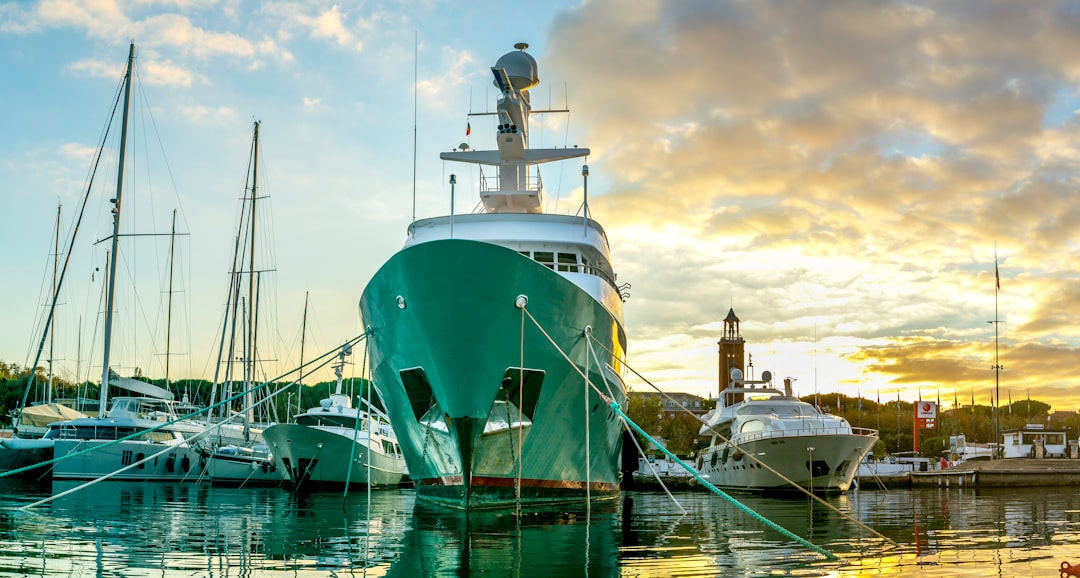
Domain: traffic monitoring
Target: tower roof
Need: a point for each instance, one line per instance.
(731, 316)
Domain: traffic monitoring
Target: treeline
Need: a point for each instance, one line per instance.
(894, 421)
(14, 381)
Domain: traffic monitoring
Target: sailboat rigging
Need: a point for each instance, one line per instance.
(116, 443)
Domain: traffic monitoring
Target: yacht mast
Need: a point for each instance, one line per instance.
(997, 364)
(168, 315)
(116, 201)
(249, 367)
(52, 318)
(303, 336)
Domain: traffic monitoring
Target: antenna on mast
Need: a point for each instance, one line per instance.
(416, 58)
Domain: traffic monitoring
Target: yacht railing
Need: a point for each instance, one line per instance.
(801, 432)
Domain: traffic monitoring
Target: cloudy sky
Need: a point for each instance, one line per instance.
(842, 174)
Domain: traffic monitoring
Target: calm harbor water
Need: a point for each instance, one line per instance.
(167, 530)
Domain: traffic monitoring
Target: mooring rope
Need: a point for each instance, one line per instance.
(588, 439)
(752, 457)
(588, 382)
(615, 407)
(214, 427)
(519, 462)
(640, 451)
(618, 411)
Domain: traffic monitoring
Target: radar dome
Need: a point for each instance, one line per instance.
(766, 375)
(520, 67)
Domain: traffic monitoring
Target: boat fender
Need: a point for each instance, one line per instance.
(139, 459)
(185, 464)
(701, 462)
(737, 455)
(170, 464)
(724, 456)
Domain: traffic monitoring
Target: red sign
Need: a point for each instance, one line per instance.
(925, 414)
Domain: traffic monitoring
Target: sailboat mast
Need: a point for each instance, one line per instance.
(52, 318)
(116, 201)
(303, 336)
(252, 296)
(168, 314)
(251, 263)
(997, 361)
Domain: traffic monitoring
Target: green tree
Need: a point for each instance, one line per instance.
(645, 411)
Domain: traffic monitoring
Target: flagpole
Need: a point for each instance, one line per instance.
(997, 362)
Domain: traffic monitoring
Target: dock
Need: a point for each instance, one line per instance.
(672, 482)
(1007, 473)
(882, 482)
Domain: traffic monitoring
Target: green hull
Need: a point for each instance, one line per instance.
(487, 410)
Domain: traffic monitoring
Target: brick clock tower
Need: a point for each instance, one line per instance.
(731, 350)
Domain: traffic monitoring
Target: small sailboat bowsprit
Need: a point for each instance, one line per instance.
(482, 328)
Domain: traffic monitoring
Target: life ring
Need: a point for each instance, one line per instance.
(737, 455)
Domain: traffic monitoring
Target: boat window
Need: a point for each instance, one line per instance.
(751, 426)
(526, 253)
(757, 410)
(568, 262)
(157, 436)
(545, 258)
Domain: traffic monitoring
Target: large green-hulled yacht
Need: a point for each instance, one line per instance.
(483, 327)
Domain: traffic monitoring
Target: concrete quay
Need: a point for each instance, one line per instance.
(1007, 473)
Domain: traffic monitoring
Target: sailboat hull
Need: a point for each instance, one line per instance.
(235, 469)
(487, 406)
(17, 456)
(181, 463)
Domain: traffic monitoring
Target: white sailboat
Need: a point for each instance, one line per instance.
(236, 452)
(337, 444)
(140, 437)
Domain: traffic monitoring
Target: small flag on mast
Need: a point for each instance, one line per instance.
(468, 128)
(997, 278)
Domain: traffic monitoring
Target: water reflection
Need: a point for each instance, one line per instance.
(568, 541)
(125, 528)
